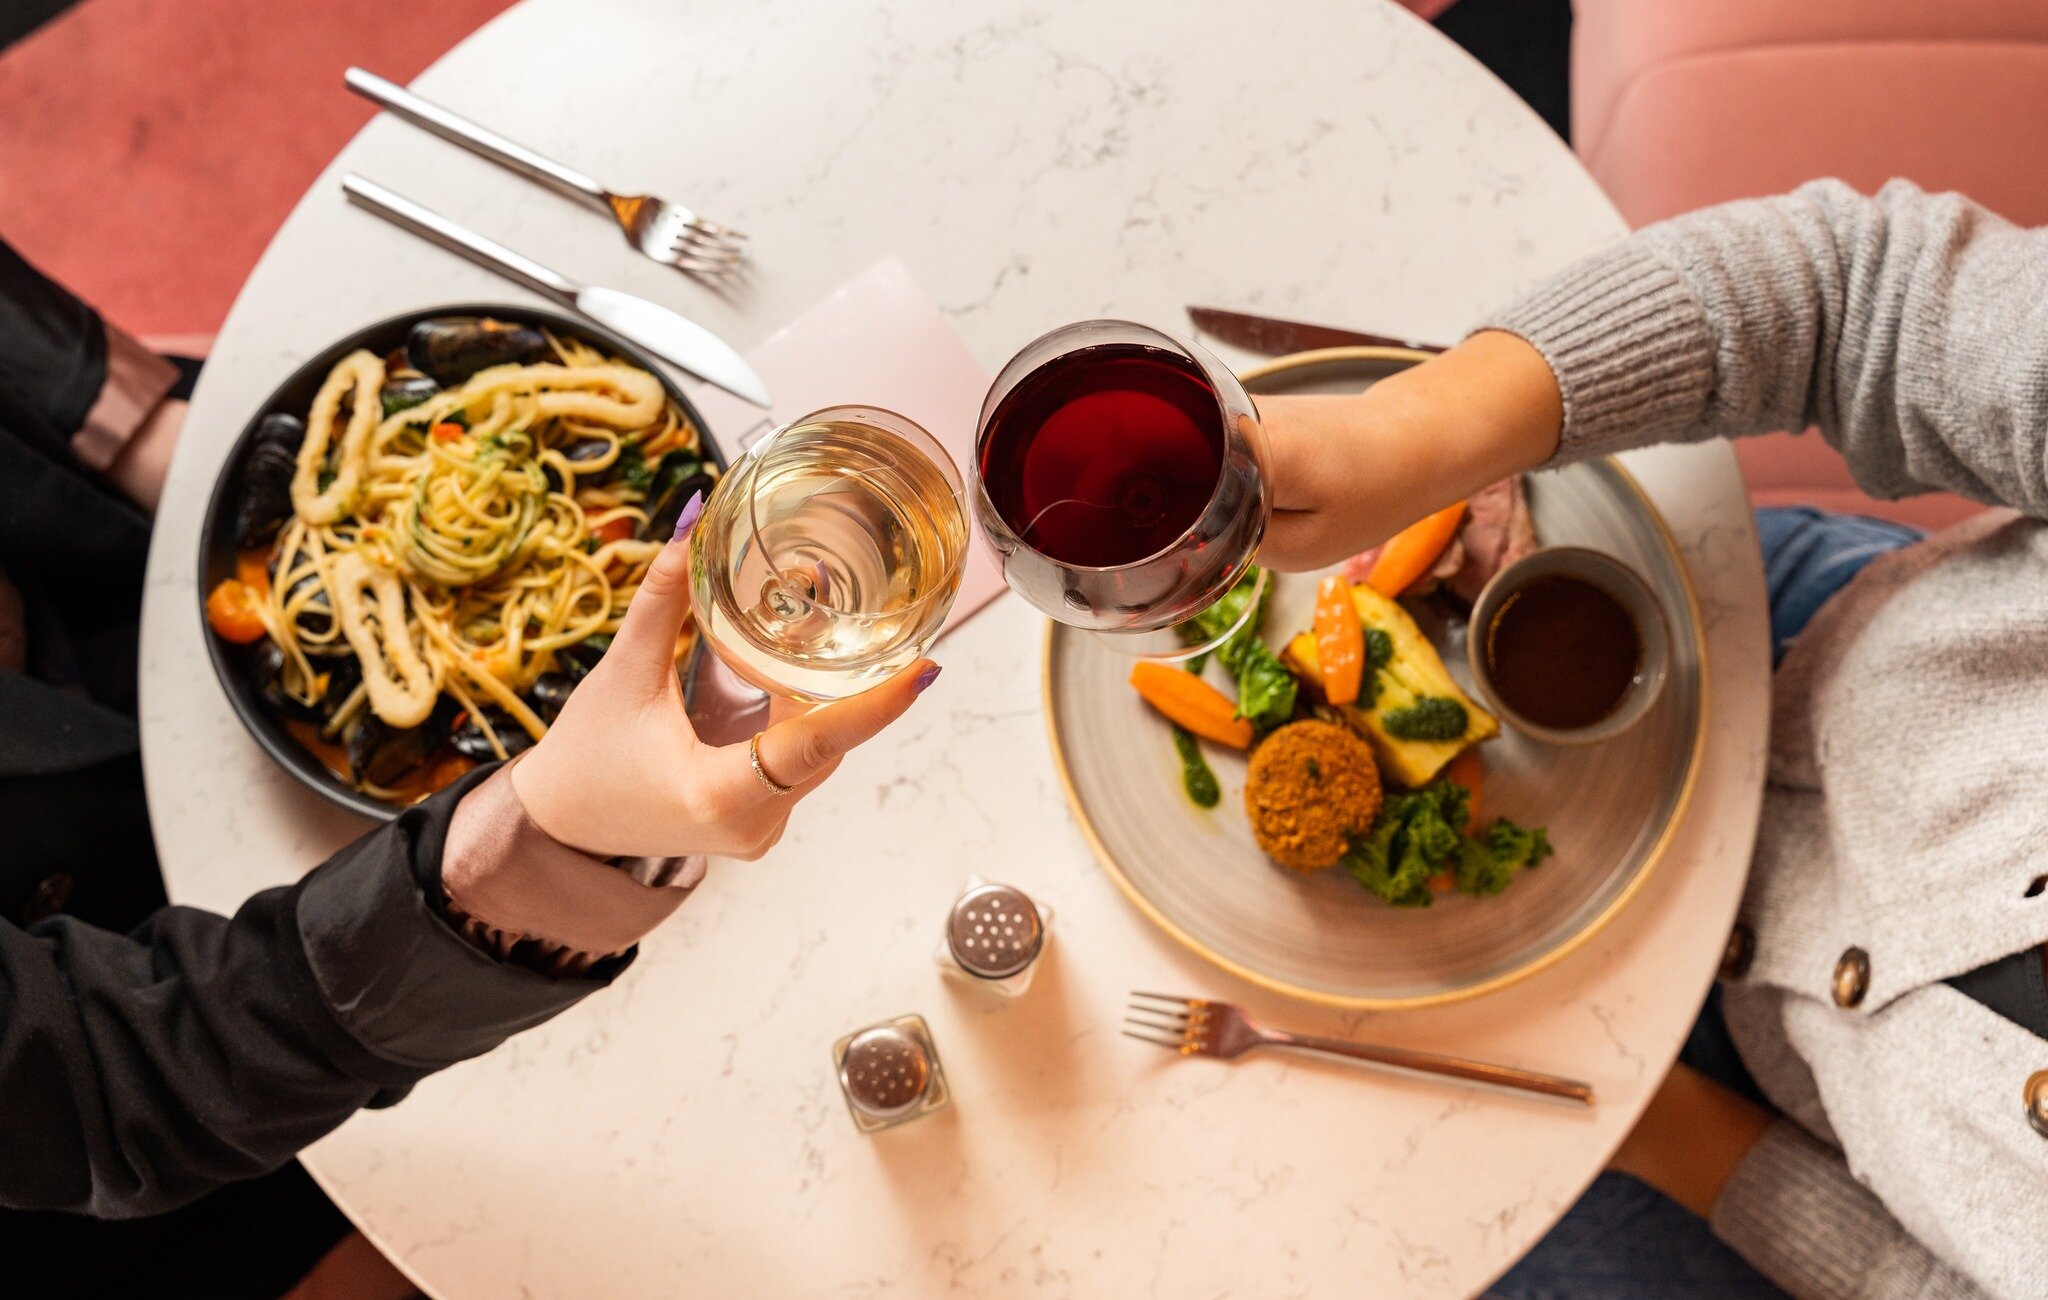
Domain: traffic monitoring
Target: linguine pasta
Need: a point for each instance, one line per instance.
(455, 547)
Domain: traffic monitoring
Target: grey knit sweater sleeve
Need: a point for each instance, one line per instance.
(1911, 328)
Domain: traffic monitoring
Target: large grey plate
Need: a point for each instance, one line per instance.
(1610, 807)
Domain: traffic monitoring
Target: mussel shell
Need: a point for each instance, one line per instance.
(406, 390)
(263, 488)
(470, 742)
(266, 668)
(579, 659)
(549, 692)
(449, 349)
(586, 449)
(380, 754)
(343, 675)
(314, 618)
(674, 485)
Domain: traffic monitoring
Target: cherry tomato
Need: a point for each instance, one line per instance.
(231, 612)
(613, 530)
(252, 569)
(447, 431)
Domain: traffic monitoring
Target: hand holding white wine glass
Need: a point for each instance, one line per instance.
(622, 773)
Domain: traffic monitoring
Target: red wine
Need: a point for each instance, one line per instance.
(1106, 455)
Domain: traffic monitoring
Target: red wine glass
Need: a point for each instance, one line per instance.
(1120, 479)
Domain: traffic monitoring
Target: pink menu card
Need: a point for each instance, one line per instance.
(877, 340)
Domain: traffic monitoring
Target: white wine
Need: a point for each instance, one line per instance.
(828, 558)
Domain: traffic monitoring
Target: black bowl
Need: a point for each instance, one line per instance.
(231, 663)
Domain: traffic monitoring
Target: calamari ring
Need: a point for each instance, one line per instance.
(364, 374)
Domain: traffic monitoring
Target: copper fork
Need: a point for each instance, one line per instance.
(1199, 1027)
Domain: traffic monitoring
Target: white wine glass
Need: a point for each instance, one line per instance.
(828, 558)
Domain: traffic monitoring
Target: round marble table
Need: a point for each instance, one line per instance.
(1031, 163)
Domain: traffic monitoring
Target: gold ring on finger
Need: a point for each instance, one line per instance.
(775, 787)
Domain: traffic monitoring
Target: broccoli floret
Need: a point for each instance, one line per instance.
(1415, 836)
(1490, 863)
(1431, 717)
(1421, 834)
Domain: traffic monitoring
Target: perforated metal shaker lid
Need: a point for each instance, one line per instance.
(886, 1071)
(995, 931)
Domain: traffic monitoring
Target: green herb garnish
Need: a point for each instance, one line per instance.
(1431, 717)
(1379, 652)
(401, 399)
(634, 471)
(1195, 775)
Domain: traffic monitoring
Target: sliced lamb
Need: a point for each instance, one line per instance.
(1498, 531)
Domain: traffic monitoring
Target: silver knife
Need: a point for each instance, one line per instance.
(1276, 338)
(661, 331)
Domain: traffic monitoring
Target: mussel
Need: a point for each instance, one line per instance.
(549, 692)
(586, 449)
(449, 349)
(263, 488)
(266, 668)
(470, 742)
(380, 754)
(405, 389)
(680, 476)
(342, 672)
(315, 617)
(577, 660)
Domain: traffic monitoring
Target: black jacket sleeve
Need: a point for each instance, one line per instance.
(53, 356)
(138, 1071)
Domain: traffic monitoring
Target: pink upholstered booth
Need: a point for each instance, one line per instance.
(1677, 104)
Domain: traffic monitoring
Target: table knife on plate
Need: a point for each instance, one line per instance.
(1276, 338)
(665, 333)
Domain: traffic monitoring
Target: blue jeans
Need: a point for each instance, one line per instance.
(1625, 1240)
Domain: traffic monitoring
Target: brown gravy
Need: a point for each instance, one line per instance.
(1562, 652)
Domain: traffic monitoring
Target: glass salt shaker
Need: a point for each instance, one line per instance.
(993, 937)
(890, 1073)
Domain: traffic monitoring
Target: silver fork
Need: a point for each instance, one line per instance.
(666, 232)
(1199, 1027)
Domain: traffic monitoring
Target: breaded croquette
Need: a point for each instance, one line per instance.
(1310, 788)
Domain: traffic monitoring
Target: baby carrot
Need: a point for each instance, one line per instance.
(1192, 702)
(1467, 770)
(1340, 641)
(1413, 549)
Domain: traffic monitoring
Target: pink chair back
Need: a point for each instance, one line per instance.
(1678, 104)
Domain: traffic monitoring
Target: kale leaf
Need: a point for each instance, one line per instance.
(1265, 689)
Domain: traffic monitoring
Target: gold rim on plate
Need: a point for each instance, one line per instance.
(1405, 357)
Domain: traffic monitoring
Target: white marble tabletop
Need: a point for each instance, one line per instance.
(1031, 163)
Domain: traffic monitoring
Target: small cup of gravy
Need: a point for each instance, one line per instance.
(1569, 646)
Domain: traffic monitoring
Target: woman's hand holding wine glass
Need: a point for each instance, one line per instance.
(1348, 472)
(623, 773)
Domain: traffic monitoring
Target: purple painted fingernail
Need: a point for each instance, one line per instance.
(691, 509)
(927, 677)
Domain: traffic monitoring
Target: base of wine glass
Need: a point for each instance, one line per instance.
(1168, 645)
